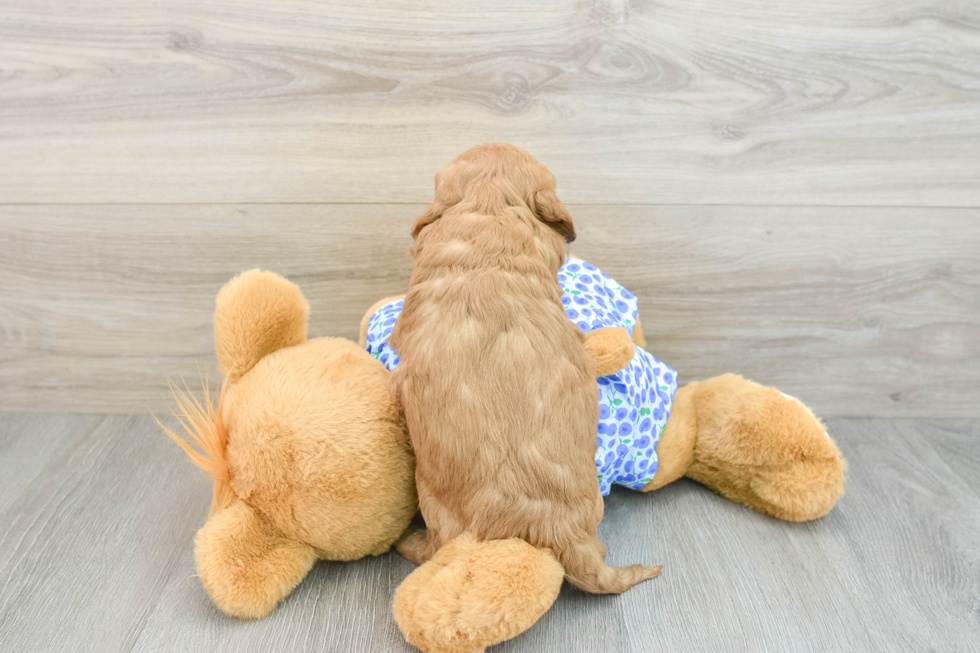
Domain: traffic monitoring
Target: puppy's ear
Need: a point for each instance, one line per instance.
(552, 212)
(447, 196)
(433, 213)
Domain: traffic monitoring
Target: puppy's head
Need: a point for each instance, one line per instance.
(493, 176)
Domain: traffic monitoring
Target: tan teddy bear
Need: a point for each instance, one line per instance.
(309, 453)
(311, 460)
(307, 447)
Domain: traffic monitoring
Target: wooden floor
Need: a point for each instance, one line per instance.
(98, 513)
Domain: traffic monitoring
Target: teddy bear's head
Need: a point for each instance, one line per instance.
(308, 448)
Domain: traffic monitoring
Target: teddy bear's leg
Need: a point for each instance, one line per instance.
(753, 445)
(246, 566)
(675, 449)
(473, 594)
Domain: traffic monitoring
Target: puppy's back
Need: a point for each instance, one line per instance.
(499, 391)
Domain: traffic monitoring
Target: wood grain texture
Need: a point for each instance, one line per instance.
(858, 311)
(834, 102)
(96, 555)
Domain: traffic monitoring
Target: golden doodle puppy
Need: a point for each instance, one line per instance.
(497, 385)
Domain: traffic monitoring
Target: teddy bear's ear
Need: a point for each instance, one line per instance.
(255, 314)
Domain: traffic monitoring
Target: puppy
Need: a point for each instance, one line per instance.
(499, 392)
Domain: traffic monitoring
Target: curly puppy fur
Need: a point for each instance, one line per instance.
(497, 385)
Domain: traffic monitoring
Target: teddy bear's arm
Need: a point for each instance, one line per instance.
(610, 348)
(246, 566)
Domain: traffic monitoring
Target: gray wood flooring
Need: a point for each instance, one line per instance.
(97, 516)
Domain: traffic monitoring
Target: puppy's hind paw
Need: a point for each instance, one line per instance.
(413, 546)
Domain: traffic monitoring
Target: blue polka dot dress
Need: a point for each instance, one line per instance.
(634, 403)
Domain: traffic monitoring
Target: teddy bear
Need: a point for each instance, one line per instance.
(306, 443)
(310, 456)
(749, 443)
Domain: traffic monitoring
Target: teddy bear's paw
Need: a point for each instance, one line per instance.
(610, 349)
(803, 490)
(473, 594)
(245, 566)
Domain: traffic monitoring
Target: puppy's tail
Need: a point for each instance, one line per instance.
(586, 569)
(473, 594)
(201, 421)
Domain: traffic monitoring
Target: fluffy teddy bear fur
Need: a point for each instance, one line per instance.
(311, 458)
(308, 439)
(472, 594)
(752, 445)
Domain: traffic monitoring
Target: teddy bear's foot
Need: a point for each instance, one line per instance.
(245, 565)
(753, 445)
(804, 490)
(473, 594)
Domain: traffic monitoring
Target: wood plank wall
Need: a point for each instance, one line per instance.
(792, 189)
